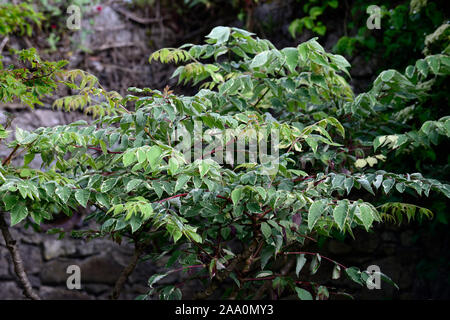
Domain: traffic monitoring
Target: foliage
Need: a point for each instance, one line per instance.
(17, 18)
(403, 29)
(313, 10)
(30, 78)
(234, 220)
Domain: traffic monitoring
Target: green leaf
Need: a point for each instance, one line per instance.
(132, 185)
(260, 59)
(107, 185)
(204, 168)
(314, 213)
(220, 34)
(155, 278)
(336, 272)
(236, 195)
(181, 182)
(264, 273)
(135, 223)
(348, 184)
(128, 158)
(262, 192)
(340, 213)
(10, 201)
(303, 294)
(354, 274)
(366, 215)
(301, 260)
(266, 254)
(266, 230)
(153, 156)
(82, 196)
(388, 184)
(103, 146)
(338, 181)
(18, 213)
(173, 165)
(291, 55)
(303, 50)
(63, 193)
(400, 187)
(385, 278)
(102, 199)
(315, 264)
(140, 155)
(387, 75)
(366, 185)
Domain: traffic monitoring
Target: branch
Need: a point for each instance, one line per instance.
(137, 19)
(138, 250)
(19, 269)
(8, 159)
(98, 149)
(222, 276)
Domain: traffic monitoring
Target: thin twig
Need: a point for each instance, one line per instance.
(19, 269)
(137, 19)
(8, 159)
